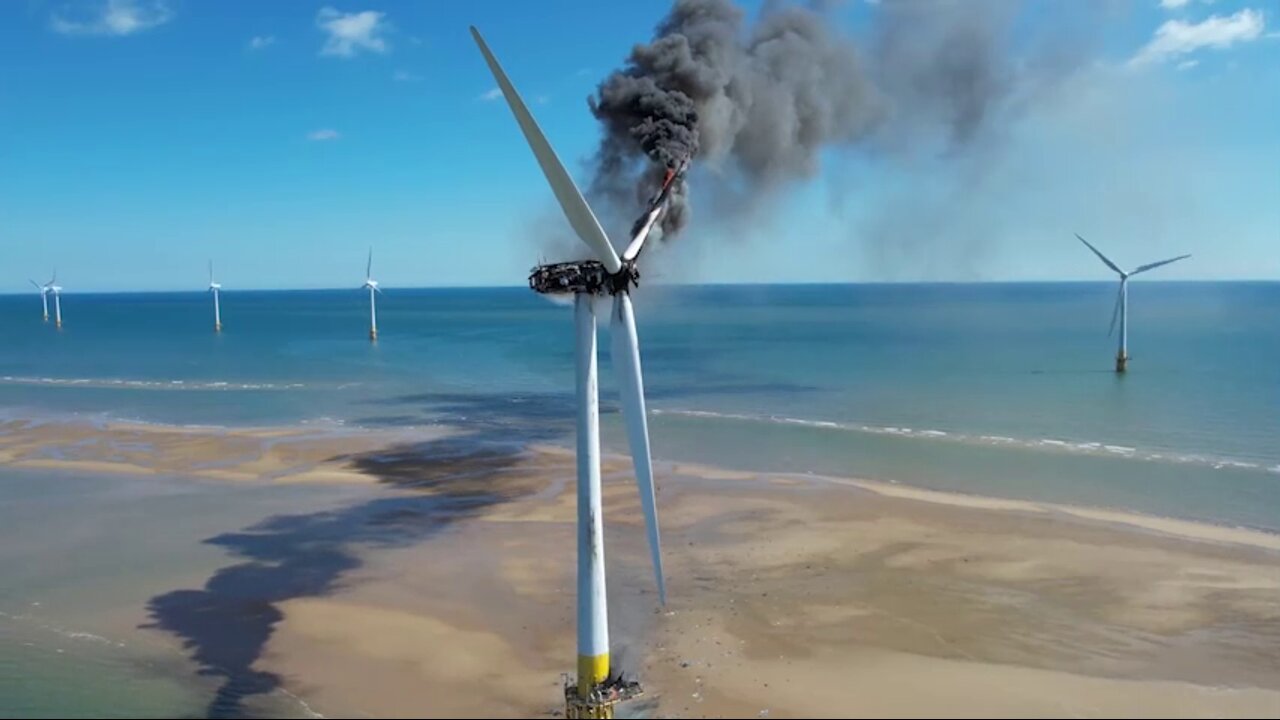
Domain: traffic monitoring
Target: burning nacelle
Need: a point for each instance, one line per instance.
(590, 276)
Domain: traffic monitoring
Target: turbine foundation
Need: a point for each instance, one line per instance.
(373, 334)
(217, 327)
(1122, 362)
(598, 701)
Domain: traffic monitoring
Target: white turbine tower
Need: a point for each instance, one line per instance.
(374, 291)
(53, 287)
(216, 289)
(56, 290)
(44, 297)
(595, 692)
(1121, 310)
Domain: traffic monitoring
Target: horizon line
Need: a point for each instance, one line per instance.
(798, 283)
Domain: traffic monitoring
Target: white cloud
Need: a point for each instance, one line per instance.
(323, 135)
(1188, 64)
(1176, 37)
(260, 41)
(491, 94)
(351, 33)
(1173, 4)
(406, 76)
(114, 17)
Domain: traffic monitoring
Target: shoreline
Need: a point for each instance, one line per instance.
(308, 453)
(448, 585)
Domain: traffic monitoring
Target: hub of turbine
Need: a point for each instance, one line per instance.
(582, 276)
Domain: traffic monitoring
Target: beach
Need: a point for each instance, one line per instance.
(438, 580)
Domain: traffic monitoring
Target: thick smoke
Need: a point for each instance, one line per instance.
(757, 104)
(754, 104)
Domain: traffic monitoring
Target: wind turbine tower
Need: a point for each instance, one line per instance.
(53, 287)
(596, 690)
(44, 297)
(374, 291)
(1121, 310)
(216, 289)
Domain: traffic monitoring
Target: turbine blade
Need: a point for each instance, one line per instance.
(1101, 257)
(368, 266)
(575, 207)
(1154, 265)
(377, 289)
(1115, 313)
(35, 284)
(626, 363)
(642, 234)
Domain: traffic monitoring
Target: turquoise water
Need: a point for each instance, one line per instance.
(1003, 388)
(155, 597)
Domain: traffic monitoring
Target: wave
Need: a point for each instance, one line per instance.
(1046, 444)
(40, 623)
(117, 383)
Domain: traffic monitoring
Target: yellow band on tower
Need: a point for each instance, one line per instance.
(592, 670)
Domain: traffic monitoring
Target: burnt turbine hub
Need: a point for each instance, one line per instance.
(583, 276)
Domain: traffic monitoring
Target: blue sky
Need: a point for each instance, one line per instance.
(138, 138)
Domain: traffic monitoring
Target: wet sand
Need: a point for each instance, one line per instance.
(297, 454)
(789, 595)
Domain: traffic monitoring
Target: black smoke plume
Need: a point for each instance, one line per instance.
(757, 102)
(754, 103)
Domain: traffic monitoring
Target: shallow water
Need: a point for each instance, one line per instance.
(1003, 388)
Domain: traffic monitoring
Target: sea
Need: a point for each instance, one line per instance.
(1001, 389)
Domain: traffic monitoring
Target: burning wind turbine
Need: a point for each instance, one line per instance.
(596, 691)
(1121, 310)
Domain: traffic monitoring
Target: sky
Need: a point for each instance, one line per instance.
(141, 138)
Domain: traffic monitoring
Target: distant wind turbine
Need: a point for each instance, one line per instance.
(216, 289)
(44, 297)
(373, 288)
(1121, 310)
(53, 287)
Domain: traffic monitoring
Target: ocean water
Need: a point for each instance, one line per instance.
(1002, 389)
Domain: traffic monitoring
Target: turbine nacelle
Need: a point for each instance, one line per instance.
(588, 277)
(369, 282)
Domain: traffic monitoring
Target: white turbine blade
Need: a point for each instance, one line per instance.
(626, 363)
(1115, 313)
(1152, 266)
(377, 289)
(1101, 257)
(210, 272)
(637, 242)
(571, 201)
